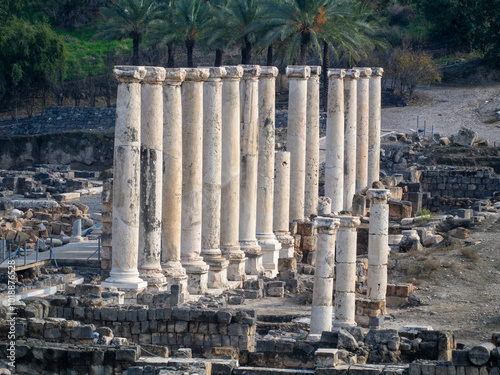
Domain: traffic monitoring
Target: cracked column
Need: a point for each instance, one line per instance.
(345, 280)
(249, 99)
(265, 184)
(192, 179)
(350, 106)
(230, 185)
(212, 149)
(126, 183)
(374, 126)
(281, 220)
(150, 218)
(312, 144)
(378, 244)
(322, 309)
(362, 129)
(172, 178)
(334, 165)
(296, 137)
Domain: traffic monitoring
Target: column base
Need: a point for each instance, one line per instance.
(176, 275)
(197, 272)
(217, 273)
(321, 319)
(155, 278)
(270, 253)
(343, 323)
(125, 280)
(287, 245)
(253, 252)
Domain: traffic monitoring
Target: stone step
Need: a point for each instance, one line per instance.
(269, 371)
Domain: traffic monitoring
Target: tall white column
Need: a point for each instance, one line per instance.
(151, 177)
(334, 165)
(375, 123)
(212, 150)
(265, 184)
(296, 137)
(350, 106)
(192, 179)
(126, 181)
(322, 309)
(249, 99)
(172, 178)
(363, 109)
(230, 187)
(312, 144)
(345, 280)
(281, 220)
(378, 244)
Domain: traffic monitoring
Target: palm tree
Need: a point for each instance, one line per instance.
(218, 36)
(129, 19)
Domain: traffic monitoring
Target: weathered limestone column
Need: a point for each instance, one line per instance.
(350, 106)
(362, 129)
(296, 137)
(126, 182)
(230, 186)
(150, 218)
(172, 178)
(265, 183)
(345, 280)
(374, 125)
(378, 244)
(334, 165)
(212, 149)
(281, 220)
(312, 144)
(321, 311)
(192, 179)
(249, 99)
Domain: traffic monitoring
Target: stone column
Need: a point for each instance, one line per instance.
(334, 166)
(296, 137)
(378, 244)
(281, 220)
(321, 311)
(362, 129)
(312, 144)
(192, 179)
(126, 181)
(374, 125)
(350, 106)
(249, 98)
(212, 149)
(172, 178)
(265, 183)
(150, 218)
(230, 186)
(345, 280)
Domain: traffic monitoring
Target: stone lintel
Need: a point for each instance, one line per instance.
(233, 71)
(298, 71)
(128, 73)
(269, 72)
(365, 72)
(154, 75)
(326, 225)
(349, 221)
(337, 73)
(216, 73)
(379, 195)
(352, 74)
(197, 74)
(377, 72)
(315, 70)
(174, 76)
(251, 71)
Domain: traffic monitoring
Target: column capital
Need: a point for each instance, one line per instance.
(349, 222)
(155, 75)
(352, 73)
(129, 74)
(298, 71)
(336, 73)
(197, 74)
(315, 70)
(326, 225)
(216, 73)
(377, 72)
(365, 72)
(251, 71)
(379, 196)
(269, 71)
(233, 72)
(174, 76)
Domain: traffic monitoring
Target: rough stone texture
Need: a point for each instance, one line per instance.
(465, 137)
(362, 130)
(374, 126)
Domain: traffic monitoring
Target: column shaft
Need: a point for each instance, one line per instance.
(375, 123)
(363, 109)
(282, 203)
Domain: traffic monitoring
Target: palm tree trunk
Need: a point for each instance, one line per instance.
(269, 61)
(189, 46)
(244, 55)
(326, 66)
(218, 57)
(303, 54)
(248, 47)
(135, 48)
(170, 60)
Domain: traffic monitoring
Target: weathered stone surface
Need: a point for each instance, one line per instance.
(465, 137)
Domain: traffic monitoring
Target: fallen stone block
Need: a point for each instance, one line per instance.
(465, 137)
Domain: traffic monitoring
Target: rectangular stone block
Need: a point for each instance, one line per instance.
(326, 357)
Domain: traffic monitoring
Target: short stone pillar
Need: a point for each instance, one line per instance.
(151, 178)
(350, 107)
(378, 244)
(334, 165)
(172, 178)
(281, 220)
(76, 233)
(296, 137)
(230, 185)
(363, 109)
(374, 126)
(124, 273)
(322, 309)
(212, 148)
(192, 179)
(312, 144)
(249, 98)
(265, 184)
(345, 272)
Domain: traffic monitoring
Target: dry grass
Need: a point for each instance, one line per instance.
(469, 253)
(431, 264)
